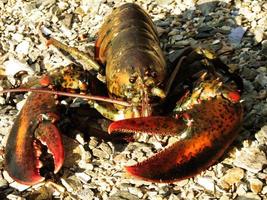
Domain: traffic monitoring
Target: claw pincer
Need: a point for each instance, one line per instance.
(33, 137)
(209, 117)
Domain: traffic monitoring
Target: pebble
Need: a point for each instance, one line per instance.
(242, 189)
(100, 154)
(93, 142)
(135, 191)
(232, 176)
(248, 196)
(13, 66)
(255, 185)
(251, 159)
(207, 183)
(236, 35)
(122, 195)
(72, 184)
(264, 190)
(14, 197)
(85, 193)
(3, 183)
(259, 35)
(262, 80)
(264, 47)
(85, 178)
(17, 37)
(23, 47)
(206, 6)
(19, 186)
(261, 135)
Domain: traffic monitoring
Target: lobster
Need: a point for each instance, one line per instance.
(197, 99)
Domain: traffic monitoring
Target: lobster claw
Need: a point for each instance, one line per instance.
(33, 140)
(209, 117)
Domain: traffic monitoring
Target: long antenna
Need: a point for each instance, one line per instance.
(84, 96)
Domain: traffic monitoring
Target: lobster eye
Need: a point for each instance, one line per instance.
(154, 74)
(132, 79)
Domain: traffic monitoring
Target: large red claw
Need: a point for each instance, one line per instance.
(28, 134)
(149, 125)
(48, 134)
(212, 127)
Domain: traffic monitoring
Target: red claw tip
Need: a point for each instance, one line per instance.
(234, 96)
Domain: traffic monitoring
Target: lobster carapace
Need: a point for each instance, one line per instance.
(197, 97)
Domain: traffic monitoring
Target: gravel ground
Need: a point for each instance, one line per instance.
(94, 169)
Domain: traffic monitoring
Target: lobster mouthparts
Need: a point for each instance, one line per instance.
(34, 144)
(209, 118)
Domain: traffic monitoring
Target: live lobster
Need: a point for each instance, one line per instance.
(197, 97)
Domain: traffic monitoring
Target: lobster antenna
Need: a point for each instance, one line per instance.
(84, 96)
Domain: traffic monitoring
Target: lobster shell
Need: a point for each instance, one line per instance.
(128, 45)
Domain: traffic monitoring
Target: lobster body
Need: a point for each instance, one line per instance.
(129, 47)
(210, 112)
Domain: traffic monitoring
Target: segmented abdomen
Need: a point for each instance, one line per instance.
(128, 44)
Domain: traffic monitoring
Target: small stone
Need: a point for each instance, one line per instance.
(136, 191)
(236, 35)
(226, 29)
(19, 186)
(207, 183)
(173, 197)
(23, 47)
(72, 184)
(231, 177)
(261, 135)
(264, 47)
(264, 190)
(224, 197)
(242, 188)
(14, 197)
(106, 148)
(20, 104)
(177, 37)
(182, 43)
(255, 185)
(2, 100)
(161, 30)
(17, 37)
(251, 159)
(93, 142)
(256, 8)
(249, 74)
(85, 178)
(3, 183)
(41, 194)
(66, 185)
(259, 34)
(173, 32)
(85, 193)
(100, 154)
(122, 195)
(248, 196)
(13, 66)
(73, 151)
(207, 6)
(181, 183)
(262, 80)
(7, 177)
(80, 138)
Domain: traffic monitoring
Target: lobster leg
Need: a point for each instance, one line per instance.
(87, 62)
(33, 130)
(210, 120)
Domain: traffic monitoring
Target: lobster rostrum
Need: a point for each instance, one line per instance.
(196, 98)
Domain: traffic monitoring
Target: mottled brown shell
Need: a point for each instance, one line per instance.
(129, 46)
